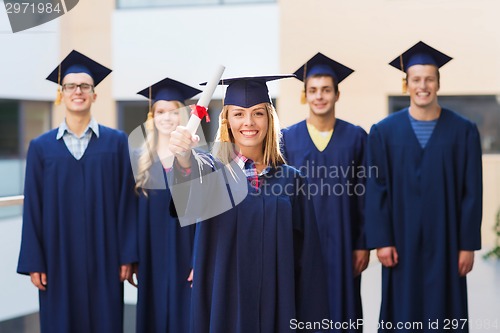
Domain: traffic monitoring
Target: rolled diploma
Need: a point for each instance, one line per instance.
(205, 98)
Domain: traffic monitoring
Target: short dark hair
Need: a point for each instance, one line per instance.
(335, 84)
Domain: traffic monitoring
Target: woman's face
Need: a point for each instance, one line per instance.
(166, 117)
(248, 125)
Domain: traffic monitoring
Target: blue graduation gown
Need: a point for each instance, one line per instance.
(338, 175)
(258, 265)
(165, 261)
(427, 203)
(79, 227)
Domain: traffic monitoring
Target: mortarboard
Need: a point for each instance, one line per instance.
(169, 90)
(322, 65)
(249, 90)
(75, 62)
(419, 54)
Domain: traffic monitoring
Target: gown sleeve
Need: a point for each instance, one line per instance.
(358, 221)
(378, 223)
(471, 214)
(312, 302)
(31, 257)
(127, 212)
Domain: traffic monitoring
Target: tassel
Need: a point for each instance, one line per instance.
(59, 93)
(150, 122)
(58, 97)
(303, 99)
(405, 84)
(224, 131)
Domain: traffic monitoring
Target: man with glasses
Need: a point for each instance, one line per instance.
(79, 213)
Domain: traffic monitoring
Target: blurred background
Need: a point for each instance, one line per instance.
(144, 41)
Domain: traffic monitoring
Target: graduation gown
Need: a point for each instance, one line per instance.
(78, 228)
(338, 174)
(165, 261)
(427, 203)
(257, 266)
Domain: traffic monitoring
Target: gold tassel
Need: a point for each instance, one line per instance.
(303, 99)
(150, 122)
(58, 97)
(405, 84)
(224, 131)
(59, 92)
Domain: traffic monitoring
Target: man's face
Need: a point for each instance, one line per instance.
(75, 99)
(423, 85)
(321, 95)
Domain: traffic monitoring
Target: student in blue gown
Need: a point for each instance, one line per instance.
(424, 202)
(165, 249)
(330, 153)
(258, 266)
(78, 236)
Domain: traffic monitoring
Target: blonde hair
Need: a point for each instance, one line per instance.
(224, 151)
(148, 149)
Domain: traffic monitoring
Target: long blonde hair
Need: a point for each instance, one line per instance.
(224, 151)
(148, 149)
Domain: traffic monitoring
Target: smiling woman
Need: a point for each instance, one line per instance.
(165, 249)
(257, 263)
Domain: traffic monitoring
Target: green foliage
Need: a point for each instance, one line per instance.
(496, 251)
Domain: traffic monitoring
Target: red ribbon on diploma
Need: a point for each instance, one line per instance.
(200, 112)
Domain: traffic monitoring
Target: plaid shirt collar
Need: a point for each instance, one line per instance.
(63, 128)
(248, 166)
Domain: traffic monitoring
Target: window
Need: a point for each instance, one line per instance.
(133, 114)
(20, 121)
(483, 110)
(123, 4)
(9, 129)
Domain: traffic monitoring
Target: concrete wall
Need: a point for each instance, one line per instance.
(87, 29)
(188, 43)
(26, 59)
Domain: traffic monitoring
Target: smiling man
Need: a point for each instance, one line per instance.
(319, 146)
(424, 207)
(78, 237)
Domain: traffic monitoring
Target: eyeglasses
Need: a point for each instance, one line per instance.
(84, 87)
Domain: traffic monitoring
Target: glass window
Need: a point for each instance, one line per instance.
(483, 110)
(36, 120)
(9, 129)
(20, 121)
(133, 114)
(166, 3)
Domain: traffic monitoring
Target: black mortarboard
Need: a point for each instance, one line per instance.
(322, 65)
(169, 90)
(420, 54)
(249, 90)
(75, 62)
